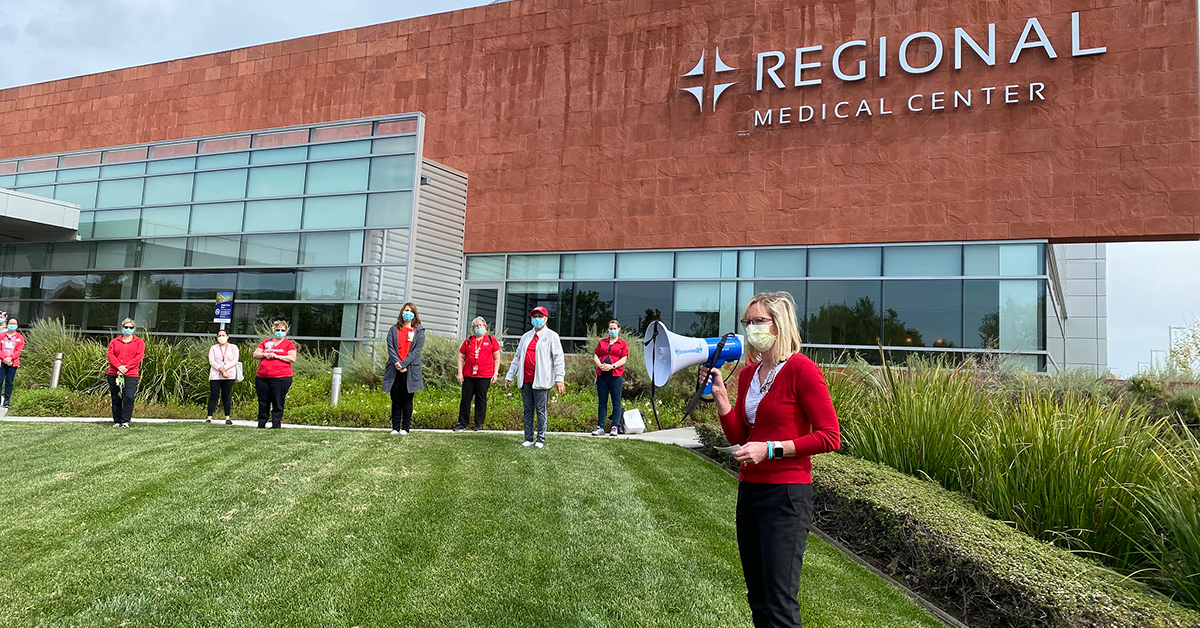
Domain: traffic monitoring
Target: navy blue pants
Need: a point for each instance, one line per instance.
(608, 387)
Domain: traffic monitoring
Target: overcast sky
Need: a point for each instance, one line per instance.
(1150, 286)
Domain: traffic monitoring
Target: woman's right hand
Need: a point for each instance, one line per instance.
(718, 382)
(460, 378)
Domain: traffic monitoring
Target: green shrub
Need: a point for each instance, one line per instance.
(1185, 404)
(57, 402)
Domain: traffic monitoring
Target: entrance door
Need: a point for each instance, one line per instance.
(482, 300)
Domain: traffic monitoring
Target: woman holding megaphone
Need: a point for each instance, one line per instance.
(783, 416)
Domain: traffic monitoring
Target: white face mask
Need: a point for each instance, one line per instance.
(760, 337)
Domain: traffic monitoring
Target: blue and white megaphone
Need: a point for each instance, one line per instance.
(667, 353)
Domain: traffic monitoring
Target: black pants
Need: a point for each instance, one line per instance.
(122, 398)
(7, 373)
(402, 402)
(772, 529)
(473, 388)
(224, 387)
(272, 393)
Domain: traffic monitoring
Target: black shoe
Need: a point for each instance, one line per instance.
(261, 426)
(228, 422)
(208, 420)
(459, 428)
(477, 428)
(5, 404)
(276, 427)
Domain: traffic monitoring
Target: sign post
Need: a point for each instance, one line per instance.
(223, 311)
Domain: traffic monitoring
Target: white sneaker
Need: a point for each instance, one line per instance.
(403, 432)
(527, 443)
(395, 432)
(539, 444)
(598, 432)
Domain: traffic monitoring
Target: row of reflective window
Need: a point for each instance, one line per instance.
(340, 284)
(940, 313)
(388, 209)
(942, 260)
(385, 173)
(271, 249)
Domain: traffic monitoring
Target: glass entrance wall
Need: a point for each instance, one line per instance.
(953, 298)
(279, 217)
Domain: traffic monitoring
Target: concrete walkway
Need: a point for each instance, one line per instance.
(684, 436)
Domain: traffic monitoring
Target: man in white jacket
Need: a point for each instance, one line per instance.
(537, 364)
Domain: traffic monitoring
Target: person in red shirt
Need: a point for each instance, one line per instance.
(12, 343)
(402, 376)
(538, 364)
(783, 416)
(125, 354)
(478, 369)
(610, 356)
(274, 375)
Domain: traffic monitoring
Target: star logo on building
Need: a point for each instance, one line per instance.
(718, 89)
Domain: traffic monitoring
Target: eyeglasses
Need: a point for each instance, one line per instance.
(746, 322)
(129, 327)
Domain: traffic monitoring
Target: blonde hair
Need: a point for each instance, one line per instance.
(279, 323)
(128, 321)
(782, 309)
(476, 321)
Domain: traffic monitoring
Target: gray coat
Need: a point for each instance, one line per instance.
(416, 381)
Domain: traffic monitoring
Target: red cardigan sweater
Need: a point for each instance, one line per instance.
(797, 408)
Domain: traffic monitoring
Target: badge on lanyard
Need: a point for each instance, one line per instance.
(411, 334)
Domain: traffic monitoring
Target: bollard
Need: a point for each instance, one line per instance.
(56, 370)
(337, 384)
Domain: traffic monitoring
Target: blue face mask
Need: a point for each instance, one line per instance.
(127, 331)
(613, 333)
(479, 331)
(407, 316)
(280, 334)
(12, 328)
(538, 323)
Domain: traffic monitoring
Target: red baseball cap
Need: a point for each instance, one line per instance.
(540, 310)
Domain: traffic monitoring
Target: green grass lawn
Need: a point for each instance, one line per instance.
(196, 525)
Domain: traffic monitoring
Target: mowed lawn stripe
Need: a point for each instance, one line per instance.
(191, 525)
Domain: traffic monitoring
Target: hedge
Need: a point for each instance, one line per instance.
(979, 569)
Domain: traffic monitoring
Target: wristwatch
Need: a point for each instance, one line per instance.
(776, 449)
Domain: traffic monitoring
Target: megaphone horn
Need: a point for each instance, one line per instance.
(667, 353)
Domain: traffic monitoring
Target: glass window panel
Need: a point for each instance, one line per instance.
(645, 265)
(271, 249)
(1021, 322)
(584, 305)
(26, 256)
(121, 193)
(168, 190)
(171, 165)
(349, 326)
(276, 181)
(71, 255)
(81, 194)
(844, 312)
(214, 250)
(217, 218)
(221, 185)
(729, 261)
(110, 286)
(320, 320)
(105, 316)
(698, 264)
(123, 170)
(485, 267)
(406, 144)
(63, 286)
(279, 155)
(522, 297)
(329, 283)
(35, 178)
(981, 260)
(15, 287)
(160, 286)
(333, 212)
(922, 313)
(86, 223)
(588, 266)
(981, 314)
(121, 223)
(78, 174)
(1020, 260)
(640, 302)
(277, 215)
(533, 266)
(393, 173)
(338, 176)
(340, 149)
(249, 317)
(391, 209)
(8, 180)
(225, 160)
(70, 313)
(697, 308)
(44, 191)
(116, 254)
(197, 319)
(164, 317)
(160, 221)
(275, 286)
(339, 247)
(165, 253)
(847, 262)
(746, 264)
(922, 261)
(798, 290)
(207, 285)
